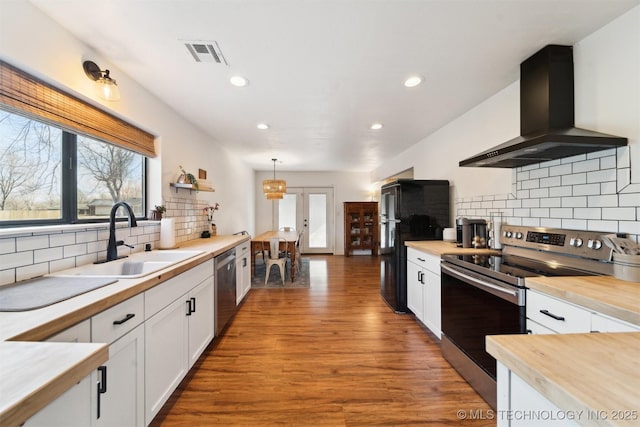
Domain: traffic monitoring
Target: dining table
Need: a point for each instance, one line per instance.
(261, 242)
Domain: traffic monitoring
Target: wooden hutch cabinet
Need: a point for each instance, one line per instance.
(360, 227)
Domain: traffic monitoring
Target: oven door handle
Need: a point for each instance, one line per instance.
(512, 295)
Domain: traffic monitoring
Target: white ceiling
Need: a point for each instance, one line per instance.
(322, 71)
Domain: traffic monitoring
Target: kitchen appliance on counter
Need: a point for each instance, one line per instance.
(409, 210)
(485, 295)
(471, 232)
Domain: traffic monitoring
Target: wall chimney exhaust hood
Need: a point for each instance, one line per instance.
(546, 116)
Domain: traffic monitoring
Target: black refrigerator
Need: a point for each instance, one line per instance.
(409, 210)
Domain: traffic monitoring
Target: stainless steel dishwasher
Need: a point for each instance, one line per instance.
(225, 285)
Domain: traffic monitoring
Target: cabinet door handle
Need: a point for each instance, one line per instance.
(193, 300)
(124, 319)
(553, 316)
(101, 386)
(421, 259)
(189, 309)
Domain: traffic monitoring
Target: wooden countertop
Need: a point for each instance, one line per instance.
(578, 372)
(605, 294)
(32, 374)
(440, 247)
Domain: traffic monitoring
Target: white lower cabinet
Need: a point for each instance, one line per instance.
(72, 408)
(122, 403)
(243, 271)
(177, 332)
(423, 289)
(520, 405)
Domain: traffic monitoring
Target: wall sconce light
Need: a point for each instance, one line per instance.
(105, 87)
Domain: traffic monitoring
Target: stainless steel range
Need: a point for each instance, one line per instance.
(485, 295)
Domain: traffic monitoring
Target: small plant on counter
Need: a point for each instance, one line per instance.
(160, 209)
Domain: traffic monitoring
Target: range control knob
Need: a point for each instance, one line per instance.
(594, 244)
(508, 234)
(518, 235)
(576, 242)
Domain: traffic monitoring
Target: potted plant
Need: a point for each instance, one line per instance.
(188, 178)
(209, 211)
(156, 213)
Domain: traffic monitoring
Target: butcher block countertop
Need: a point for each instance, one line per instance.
(440, 247)
(27, 382)
(605, 294)
(579, 372)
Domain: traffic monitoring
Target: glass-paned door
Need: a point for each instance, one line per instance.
(312, 210)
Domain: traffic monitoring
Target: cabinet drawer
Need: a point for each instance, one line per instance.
(116, 321)
(602, 323)
(557, 315)
(155, 299)
(242, 249)
(427, 261)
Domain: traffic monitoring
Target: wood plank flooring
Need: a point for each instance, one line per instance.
(331, 355)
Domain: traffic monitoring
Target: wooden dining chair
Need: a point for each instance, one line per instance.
(276, 257)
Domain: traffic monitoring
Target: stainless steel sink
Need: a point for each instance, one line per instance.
(136, 265)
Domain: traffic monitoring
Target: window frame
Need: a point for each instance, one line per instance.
(69, 185)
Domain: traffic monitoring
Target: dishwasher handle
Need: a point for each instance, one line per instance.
(224, 259)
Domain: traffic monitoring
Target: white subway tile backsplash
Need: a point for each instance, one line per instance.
(539, 173)
(608, 200)
(7, 245)
(574, 179)
(32, 242)
(560, 191)
(540, 213)
(623, 214)
(586, 190)
(74, 250)
(608, 188)
(551, 202)
(87, 236)
(62, 239)
(632, 199)
(531, 222)
(573, 159)
(531, 183)
(31, 271)
(550, 223)
(531, 203)
(586, 166)
(574, 224)
(560, 170)
(62, 264)
(561, 212)
(524, 213)
(607, 226)
(603, 153)
(587, 213)
(574, 202)
(49, 254)
(608, 162)
(553, 181)
(16, 259)
(7, 276)
(539, 193)
(605, 175)
(630, 227)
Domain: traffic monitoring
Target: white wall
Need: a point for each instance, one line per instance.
(35, 43)
(347, 187)
(607, 86)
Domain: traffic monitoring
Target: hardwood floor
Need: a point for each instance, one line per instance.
(331, 355)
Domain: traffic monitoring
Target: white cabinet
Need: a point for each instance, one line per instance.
(550, 315)
(243, 271)
(556, 315)
(519, 403)
(423, 288)
(602, 323)
(201, 319)
(72, 408)
(179, 326)
(121, 400)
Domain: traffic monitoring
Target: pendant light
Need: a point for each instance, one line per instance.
(274, 188)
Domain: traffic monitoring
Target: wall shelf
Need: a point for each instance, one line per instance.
(189, 187)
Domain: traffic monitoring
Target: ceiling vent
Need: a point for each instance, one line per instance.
(205, 51)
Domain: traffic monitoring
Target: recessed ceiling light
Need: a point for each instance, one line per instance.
(376, 126)
(238, 81)
(262, 126)
(413, 81)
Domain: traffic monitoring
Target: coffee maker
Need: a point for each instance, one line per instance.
(471, 232)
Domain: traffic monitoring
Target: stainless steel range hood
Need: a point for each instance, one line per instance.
(546, 117)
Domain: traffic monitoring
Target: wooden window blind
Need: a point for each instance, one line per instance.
(24, 94)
